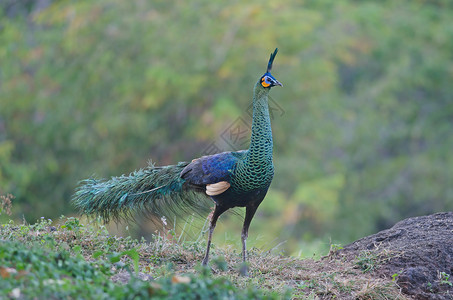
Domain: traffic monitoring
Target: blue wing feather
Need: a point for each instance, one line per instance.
(212, 168)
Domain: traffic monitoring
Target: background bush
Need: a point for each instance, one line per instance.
(362, 128)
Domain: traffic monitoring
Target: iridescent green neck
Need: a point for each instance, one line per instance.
(256, 170)
(261, 141)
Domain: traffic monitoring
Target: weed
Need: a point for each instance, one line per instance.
(367, 261)
(395, 276)
(444, 278)
(334, 248)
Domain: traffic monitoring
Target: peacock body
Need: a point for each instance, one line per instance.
(230, 179)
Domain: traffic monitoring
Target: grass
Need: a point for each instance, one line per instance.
(71, 260)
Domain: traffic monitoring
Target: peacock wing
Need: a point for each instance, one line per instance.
(212, 172)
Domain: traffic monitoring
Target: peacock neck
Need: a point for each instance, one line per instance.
(256, 170)
(261, 144)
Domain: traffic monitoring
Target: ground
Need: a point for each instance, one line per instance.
(417, 253)
(411, 260)
(68, 259)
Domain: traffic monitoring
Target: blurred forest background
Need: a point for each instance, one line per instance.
(363, 130)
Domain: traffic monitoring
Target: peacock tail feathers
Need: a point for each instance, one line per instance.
(152, 191)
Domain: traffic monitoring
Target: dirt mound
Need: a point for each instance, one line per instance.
(416, 252)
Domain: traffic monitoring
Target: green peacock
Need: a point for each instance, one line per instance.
(230, 179)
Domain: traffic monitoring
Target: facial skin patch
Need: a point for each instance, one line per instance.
(264, 83)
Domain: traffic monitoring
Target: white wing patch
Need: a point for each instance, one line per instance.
(217, 188)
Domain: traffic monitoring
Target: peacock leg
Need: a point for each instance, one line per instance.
(249, 213)
(215, 215)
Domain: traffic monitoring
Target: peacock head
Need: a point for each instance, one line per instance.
(267, 80)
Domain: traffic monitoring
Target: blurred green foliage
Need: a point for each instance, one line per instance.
(100, 87)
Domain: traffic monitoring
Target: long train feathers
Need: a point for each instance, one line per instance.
(155, 191)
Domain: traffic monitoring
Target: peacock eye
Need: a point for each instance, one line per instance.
(265, 81)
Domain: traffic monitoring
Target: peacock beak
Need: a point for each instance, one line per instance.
(275, 82)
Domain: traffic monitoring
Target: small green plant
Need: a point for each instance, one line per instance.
(395, 276)
(334, 248)
(367, 261)
(72, 224)
(444, 278)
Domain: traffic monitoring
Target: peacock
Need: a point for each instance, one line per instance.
(230, 179)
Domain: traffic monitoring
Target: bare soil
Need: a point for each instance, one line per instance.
(417, 253)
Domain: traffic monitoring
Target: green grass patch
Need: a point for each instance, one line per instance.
(70, 260)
